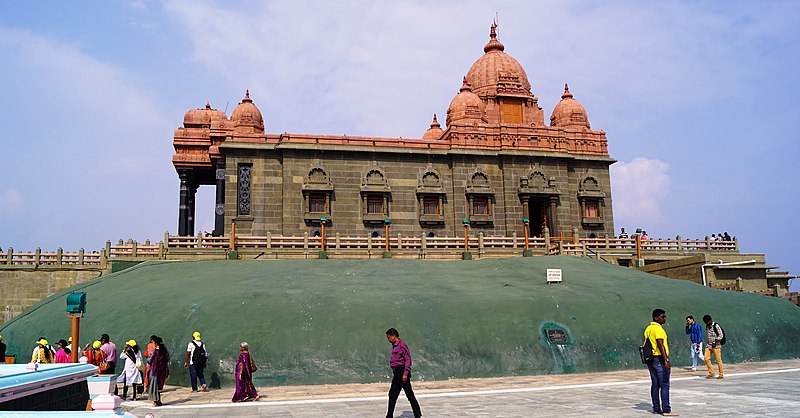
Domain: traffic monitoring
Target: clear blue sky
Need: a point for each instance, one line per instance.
(697, 100)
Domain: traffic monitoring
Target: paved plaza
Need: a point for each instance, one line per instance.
(749, 389)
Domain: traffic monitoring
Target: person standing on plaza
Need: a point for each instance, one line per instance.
(42, 354)
(159, 370)
(96, 356)
(400, 362)
(659, 366)
(716, 338)
(695, 333)
(110, 349)
(147, 353)
(245, 367)
(196, 360)
(130, 376)
(62, 355)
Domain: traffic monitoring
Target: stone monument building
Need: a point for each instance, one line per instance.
(496, 162)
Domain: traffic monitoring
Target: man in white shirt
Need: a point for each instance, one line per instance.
(196, 370)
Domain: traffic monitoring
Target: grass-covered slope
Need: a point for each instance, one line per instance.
(324, 321)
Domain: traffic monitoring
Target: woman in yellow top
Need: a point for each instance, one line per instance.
(42, 354)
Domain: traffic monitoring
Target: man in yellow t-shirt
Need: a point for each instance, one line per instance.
(659, 366)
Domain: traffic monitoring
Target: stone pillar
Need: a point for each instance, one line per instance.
(219, 207)
(192, 193)
(183, 206)
(554, 215)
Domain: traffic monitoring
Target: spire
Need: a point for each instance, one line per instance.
(465, 85)
(494, 44)
(566, 94)
(435, 123)
(247, 96)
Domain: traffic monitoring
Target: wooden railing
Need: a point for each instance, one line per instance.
(354, 245)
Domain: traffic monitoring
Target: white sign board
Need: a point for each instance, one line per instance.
(553, 275)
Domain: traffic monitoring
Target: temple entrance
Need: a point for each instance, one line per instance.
(539, 217)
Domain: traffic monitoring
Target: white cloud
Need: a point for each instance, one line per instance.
(640, 189)
(10, 201)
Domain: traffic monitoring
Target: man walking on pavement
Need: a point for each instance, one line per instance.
(400, 362)
(659, 366)
(716, 338)
(695, 334)
(196, 360)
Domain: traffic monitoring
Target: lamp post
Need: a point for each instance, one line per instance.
(76, 306)
(387, 253)
(525, 226)
(466, 254)
(323, 254)
(232, 255)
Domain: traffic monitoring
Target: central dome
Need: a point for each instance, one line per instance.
(497, 73)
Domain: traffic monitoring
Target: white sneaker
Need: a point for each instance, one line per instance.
(694, 369)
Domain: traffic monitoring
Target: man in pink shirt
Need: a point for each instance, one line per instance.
(400, 362)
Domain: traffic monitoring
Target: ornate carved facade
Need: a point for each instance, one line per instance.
(495, 164)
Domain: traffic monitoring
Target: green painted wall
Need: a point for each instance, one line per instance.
(324, 321)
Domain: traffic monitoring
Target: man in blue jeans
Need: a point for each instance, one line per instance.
(196, 360)
(695, 334)
(659, 366)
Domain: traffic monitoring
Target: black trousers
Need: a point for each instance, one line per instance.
(394, 392)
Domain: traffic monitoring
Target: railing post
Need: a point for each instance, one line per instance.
(37, 256)
(575, 238)
(480, 242)
(10, 256)
(736, 244)
(103, 258)
(269, 239)
(200, 239)
(166, 239)
(561, 247)
(337, 241)
(608, 242)
(680, 242)
(134, 249)
(514, 239)
(80, 256)
(162, 253)
(108, 248)
(59, 256)
(546, 234)
(305, 240)
(399, 241)
(369, 241)
(423, 241)
(708, 243)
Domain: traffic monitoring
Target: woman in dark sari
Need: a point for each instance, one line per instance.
(245, 366)
(159, 371)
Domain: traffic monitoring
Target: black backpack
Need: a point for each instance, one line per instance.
(722, 341)
(199, 357)
(646, 351)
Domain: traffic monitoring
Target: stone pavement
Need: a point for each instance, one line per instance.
(749, 389)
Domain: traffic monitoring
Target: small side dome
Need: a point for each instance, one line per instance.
(568, 112)
(466, 106)
(434, 132)
(246, 117)
(199, 118)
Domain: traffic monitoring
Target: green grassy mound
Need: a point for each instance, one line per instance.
(324, 321)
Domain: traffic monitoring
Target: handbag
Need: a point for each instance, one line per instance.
(646, 351)
(103, 366)
(253, 367)
(140, 364)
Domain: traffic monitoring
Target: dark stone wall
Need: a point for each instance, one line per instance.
(277, 203)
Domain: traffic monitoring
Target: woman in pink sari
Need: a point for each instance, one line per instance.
(62, 355)
(245, 366)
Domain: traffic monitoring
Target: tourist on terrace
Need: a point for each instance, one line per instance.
(623, 234)
(245, 366)
(726, 237)
(131, 375)
(42, 353)
(62, 355)
(111, 353)
(695, 333)
(159, 370)
(96, 356)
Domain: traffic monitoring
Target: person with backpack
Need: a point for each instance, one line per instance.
(716, 339)
(196, 361)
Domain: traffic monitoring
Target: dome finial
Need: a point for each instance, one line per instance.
(566, 94)
(247, 96)
(494, 44)
(435, 123)
(465, 85)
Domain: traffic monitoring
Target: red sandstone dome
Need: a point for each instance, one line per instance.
(434, 132)
(247, 118)
(569, 113)
(466, 107)
(497, 72)
(196, 118)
